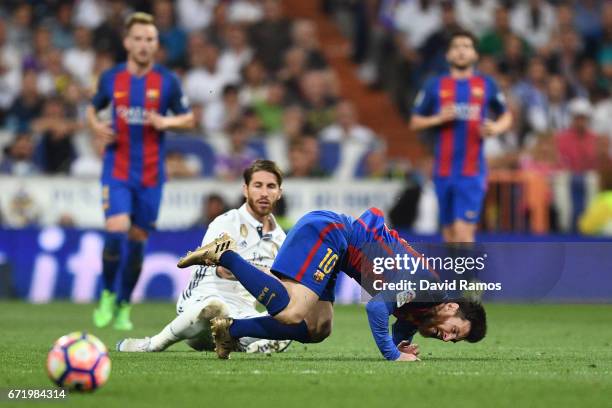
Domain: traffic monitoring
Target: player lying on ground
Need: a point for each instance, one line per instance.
(299, 298)
(213, 291)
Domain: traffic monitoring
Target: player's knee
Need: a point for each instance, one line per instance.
(118, 223)
(137, 234)
(321, 331)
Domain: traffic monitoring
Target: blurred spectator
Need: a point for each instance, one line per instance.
(53, 79)
(89, 13)
(61, 27)
(270, 37)
(604, 45)
(218, 114)
(602, 120)
(587, 20)
(577, 145)
(355, 140)
(415, 21)
(304, 36)
(534, 20)
(28, 105)
(10, 71)
(304, 158)
(436, 44)
(56, 132)
(378, 166)
(40, 46)
(245, 11)
(597, 219)
(229, 166)
(213, 205)
(237, 52)
(18, 157)
(317, 100)
(565, 58)
(195, 14)
(254, 86)
(215, 31)
(587, 80)
(79, 60)
(530, 92)
(493, 41)
(553, 114)
(204, 81)
(171, 36)
(19, 33)
(108, 36)
(514, 59)
(179, 167)
(476, 15)
(294, 67)
(270, 110)
(89, 165)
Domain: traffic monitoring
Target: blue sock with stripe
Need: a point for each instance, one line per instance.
(267, 327)
(111, 258)
(131, 271)
(268, 290)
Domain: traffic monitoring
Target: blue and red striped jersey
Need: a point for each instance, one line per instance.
(458, 144)
(137, 156)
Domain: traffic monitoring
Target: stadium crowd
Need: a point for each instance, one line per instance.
(260, 84)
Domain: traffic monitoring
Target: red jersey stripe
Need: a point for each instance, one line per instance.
(471, 165)
(447, 98)
(315, 248)
(121, 101)
(150, 167)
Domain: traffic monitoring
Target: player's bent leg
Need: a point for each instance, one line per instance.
(301, 301)
(115, 236)
(319, 321)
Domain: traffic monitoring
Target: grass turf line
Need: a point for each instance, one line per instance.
(534, 355)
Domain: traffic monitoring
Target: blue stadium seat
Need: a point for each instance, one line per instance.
(329, 156)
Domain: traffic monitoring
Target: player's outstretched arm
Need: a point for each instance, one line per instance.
(378, 318)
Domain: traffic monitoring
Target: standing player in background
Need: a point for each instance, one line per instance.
(214, 291)
(140, 93)
(461, 107)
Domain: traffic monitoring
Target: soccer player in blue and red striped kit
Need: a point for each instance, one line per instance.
(140, 94)
(299, 292)
(460, 108)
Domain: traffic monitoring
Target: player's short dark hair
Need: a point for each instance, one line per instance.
(461, 32)
(138, 18)
(263, 165)
(473, 312)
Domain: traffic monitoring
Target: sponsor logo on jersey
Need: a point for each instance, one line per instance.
(467, 111)
(153, 93)
(133, 115)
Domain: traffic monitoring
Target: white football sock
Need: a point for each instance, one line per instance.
(184, 326)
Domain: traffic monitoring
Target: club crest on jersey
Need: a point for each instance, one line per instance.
(405, 297)
(478, 92)
(243, 231)
(319, 276)
(153, 93)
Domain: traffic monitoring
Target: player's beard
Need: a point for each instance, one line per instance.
(427, 322)
(261, 213)
(461, 67)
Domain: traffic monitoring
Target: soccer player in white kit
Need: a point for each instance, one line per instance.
(213, 291)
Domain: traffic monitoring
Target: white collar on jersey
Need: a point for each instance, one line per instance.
(255, 223)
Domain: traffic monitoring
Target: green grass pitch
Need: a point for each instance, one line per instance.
(534, 356)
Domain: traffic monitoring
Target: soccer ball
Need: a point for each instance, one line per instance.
(78, 361)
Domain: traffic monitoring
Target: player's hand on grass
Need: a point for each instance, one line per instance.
(156, 120)
(405, 347)
(407, 357)
(104, 132)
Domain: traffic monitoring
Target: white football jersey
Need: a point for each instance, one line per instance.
(253, 245)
